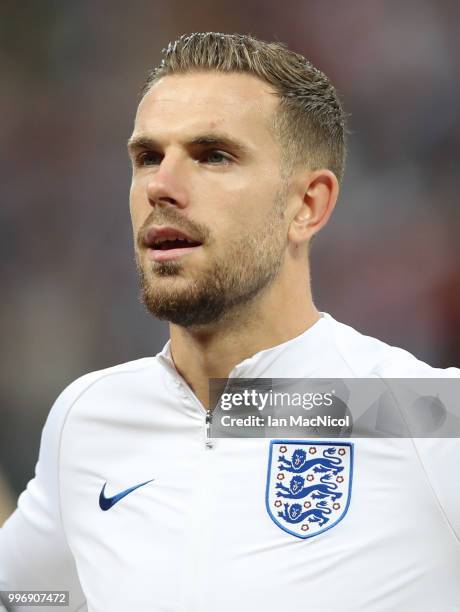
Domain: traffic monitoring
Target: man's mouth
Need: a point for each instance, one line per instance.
(179, 243)
(165, 243)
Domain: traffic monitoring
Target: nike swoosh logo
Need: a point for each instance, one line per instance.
(105, 503)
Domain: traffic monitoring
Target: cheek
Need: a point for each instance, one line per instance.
(247, 220)
(247, 206)
(139, 209)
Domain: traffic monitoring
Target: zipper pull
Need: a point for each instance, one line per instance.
(209, 440)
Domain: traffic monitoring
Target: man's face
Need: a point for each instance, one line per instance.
(206, 167)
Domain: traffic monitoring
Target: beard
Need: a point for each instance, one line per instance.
(231, 280)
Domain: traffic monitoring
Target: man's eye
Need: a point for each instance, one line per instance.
(148, 158)
(216, 157)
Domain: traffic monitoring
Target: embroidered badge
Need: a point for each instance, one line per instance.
(308, 485)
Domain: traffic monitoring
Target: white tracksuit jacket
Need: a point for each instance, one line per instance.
(197, 535)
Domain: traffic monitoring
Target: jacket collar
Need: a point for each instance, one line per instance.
(296, 358)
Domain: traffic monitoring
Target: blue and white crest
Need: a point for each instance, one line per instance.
(308, 485)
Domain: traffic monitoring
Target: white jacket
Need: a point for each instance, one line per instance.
(197, 536)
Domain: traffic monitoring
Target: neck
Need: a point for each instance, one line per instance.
(212, 351)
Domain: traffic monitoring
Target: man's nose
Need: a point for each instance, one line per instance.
(167, 185)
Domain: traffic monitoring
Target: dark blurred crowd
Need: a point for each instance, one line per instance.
(388, 263)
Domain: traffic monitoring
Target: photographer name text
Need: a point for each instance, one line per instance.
(291, 421)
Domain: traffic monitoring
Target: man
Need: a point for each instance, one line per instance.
(237, 151)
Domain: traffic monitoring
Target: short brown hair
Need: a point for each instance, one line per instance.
(310, 121)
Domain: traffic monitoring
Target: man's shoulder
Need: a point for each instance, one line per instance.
(83, 383)
(367, 356)
(112, 379)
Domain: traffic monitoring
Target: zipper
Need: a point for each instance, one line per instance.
(209, 441)
(208, 422)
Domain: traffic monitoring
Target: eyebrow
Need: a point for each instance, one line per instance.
(203, 140)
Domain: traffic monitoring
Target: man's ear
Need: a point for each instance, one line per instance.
(318, 192)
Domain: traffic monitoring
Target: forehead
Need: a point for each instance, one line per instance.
(239, 103)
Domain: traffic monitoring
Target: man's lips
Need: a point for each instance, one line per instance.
(165, 242)
(168, 254)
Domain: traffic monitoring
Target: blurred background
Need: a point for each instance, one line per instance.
(388, 262)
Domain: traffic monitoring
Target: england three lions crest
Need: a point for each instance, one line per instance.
(308, 485)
